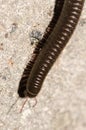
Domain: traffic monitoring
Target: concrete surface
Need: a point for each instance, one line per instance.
(61, 104)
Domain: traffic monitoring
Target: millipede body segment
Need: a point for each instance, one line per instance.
(59, 31)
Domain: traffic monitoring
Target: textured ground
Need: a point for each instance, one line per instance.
(61, 104)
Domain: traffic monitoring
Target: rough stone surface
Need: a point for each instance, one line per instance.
(61, 104)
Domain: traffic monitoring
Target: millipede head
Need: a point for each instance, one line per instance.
(24, 93)
(29, 94)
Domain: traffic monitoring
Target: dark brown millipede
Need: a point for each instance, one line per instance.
(59, 31)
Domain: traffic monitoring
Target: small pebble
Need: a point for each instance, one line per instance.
(35, 36)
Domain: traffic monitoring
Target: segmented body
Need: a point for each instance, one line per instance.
(49, 29)
(46, 54)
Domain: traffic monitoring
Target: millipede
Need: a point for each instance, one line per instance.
(56, 36)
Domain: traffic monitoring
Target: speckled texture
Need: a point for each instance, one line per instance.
(61, 104)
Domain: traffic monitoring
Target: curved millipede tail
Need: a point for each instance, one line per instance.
(52, 45)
